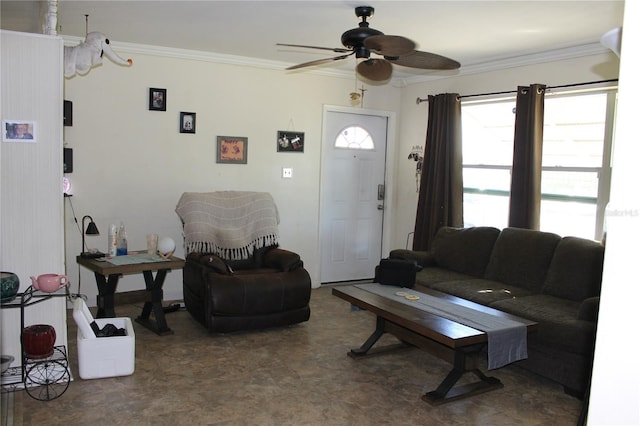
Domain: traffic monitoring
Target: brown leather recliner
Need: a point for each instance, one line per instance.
(271, 289)
(235, 276)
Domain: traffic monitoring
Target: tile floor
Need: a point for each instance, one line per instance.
(299, 375)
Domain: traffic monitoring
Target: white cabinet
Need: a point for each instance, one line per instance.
(31, 199)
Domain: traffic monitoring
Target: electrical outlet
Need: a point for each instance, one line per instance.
(287, 172)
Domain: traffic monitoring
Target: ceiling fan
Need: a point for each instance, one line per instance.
(363, 41)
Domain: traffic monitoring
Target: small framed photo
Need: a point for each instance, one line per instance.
(187, 122)
(18, 131)
(290, 141)
(157, 99)
(232, 150)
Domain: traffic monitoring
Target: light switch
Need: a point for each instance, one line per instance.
(287, 172)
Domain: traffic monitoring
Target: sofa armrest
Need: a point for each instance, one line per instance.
(283, 260)
(589, 309)
(422, 258)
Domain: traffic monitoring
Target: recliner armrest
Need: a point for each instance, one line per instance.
(211, 261)
(283, 260)
(422, 258)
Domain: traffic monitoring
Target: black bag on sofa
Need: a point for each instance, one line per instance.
(398, 272)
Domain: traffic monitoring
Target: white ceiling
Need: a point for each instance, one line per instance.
(475, 33)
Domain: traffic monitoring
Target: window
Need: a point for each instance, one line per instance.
(354, 137)
(575, 161)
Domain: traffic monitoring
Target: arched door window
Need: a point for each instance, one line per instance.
(354, 137)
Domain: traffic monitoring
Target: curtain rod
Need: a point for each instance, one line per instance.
(420, 100)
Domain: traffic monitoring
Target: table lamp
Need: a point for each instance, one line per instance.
(91, 229)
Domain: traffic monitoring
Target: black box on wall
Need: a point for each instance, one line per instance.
(68, 113)
(67, 160)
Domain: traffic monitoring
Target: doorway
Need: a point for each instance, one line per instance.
(352, 205)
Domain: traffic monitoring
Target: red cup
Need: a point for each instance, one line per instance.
(38, 341)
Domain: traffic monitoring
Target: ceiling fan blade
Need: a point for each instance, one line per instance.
(319, 61)
(389, 45)
(375, 69)
(425, 60)
(333, 49)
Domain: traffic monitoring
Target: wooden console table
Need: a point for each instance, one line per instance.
(107, 275)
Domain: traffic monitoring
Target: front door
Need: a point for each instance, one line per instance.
(352, 203)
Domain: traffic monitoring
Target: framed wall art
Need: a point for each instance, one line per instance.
(232, 150)
(187, 122)
(18, 131)
(157, 99)
(290, 141)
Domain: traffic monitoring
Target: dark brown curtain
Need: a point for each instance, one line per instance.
(440, 198)
(524, 203)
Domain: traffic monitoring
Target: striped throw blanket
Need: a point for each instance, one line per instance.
(230, 224)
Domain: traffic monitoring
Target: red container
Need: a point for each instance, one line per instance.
(38, 341)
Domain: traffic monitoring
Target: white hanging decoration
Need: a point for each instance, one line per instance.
(88, 54)
(81, 58)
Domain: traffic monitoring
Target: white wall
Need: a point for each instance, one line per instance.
(31, 177)
(615, 389)
(132, 164)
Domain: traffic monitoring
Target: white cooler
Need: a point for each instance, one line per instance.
(100, 357)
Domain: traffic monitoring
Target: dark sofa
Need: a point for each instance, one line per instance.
(536, 275)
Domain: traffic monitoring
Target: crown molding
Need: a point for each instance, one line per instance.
(532, 58)
(198, 55)
(494, 64)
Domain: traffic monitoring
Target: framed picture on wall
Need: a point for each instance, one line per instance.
(157, 99)
(187, 122)
(18, 131)
(290, 141)
(232, 150)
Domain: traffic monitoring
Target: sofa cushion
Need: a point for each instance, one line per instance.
(521, 258)
(575, 272)
(422, 258)
(480, 290)
(465, 250)
(540, 308)
(434, 274)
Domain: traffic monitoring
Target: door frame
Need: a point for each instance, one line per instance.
(389, 173)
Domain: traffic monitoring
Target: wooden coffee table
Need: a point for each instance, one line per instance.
(451, 341)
